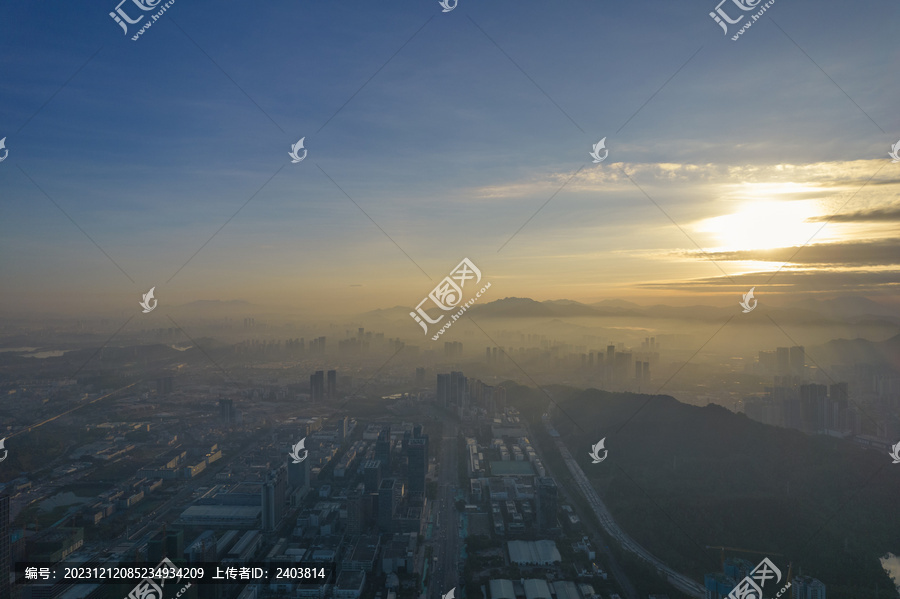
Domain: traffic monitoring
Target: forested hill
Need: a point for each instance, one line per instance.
(679, 478)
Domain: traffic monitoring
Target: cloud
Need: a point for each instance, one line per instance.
(792, 281)
(819, 178)
(880, 252)
(878, 215)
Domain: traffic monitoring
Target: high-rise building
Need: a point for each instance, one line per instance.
(226, 410)
(417, 452)
(782, 361)
(164, 385)
(389, 494)
(442, 395)
(167, 543)
(298, 475)
(547, 498)
(372, 475)
(420, 377)
(458, 389)
(718, 585)
(813, 400)
(383, 448)
(332, 385)
(355, 521)
(202, 549)
(798, 359)
(4, 546)
(317, 385)
(807, 587)
(838, 398)
(272, 496)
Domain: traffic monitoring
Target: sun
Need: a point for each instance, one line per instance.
(763, 225)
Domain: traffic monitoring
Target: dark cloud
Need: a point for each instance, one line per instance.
(863, 216)
(881, 252)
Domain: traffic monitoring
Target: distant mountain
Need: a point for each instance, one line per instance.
(859, 351)
(216, 305)
(844, 310)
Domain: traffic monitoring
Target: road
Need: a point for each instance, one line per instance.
(445, 573)
(681, 582)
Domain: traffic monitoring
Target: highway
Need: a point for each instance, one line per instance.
(681, 582)
(444, 570)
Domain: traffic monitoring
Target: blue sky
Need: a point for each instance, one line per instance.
(449, 148)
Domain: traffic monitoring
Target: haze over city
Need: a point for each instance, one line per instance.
(450, 300)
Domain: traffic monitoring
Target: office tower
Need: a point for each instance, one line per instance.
(420, 377)
(343, 427)
(546, 498)
(767, 362)
(298, 474)
(807, 587)
(487, 355)
(372, 475)
(272, 496)
(163, 385)
(798, 359)
(389, 494)
(332, 384)
(417, 452)
(442, 395)
(458, 389)
(591, 360)
(610, 364)
(782, 361)
(317, 386)
(645, 372)
(4, 546)
(355, 520)
(813, 399)
(383, 448)
(623, 363)
(838, 398)
(637, 372)
(226, 410)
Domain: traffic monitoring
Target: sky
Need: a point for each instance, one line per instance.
(433, 136)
